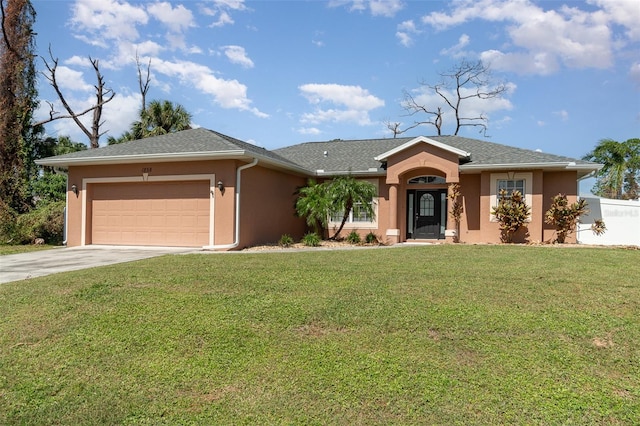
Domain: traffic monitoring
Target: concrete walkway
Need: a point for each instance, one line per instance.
(22, 266)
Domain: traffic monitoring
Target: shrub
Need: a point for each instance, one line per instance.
(457, 208)
(371, 238)
(353, 238)
(311, 239)
(565, 217)
(8, 224)
(285, 241)
(512, 213)
(46, 222)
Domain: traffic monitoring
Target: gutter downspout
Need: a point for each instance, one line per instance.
(66, 213)
(236, 239)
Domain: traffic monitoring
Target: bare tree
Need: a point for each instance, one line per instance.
(103, 95)
(463, 82)
(394, 127)
(144, 85)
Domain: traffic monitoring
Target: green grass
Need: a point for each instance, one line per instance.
(15, 249)
(417, 335)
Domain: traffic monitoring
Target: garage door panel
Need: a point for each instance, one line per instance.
(151, 213)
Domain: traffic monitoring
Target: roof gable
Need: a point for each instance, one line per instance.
(422, 139)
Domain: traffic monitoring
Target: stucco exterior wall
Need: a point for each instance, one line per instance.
(558, 183)
(267, 206)
(478, 227)
(268, 197)
(421, 156)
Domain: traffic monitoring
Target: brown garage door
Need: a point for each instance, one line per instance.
(150, 213)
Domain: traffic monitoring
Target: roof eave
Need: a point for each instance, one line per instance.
(568, 165)
(133, 158)
(377, 172)
(167, 157)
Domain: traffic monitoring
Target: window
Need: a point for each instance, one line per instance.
(512, 181)
(426, 179)
(510, 185)
(358, 218)
(357, 214)
(427, 205)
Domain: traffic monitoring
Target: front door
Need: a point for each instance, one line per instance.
(427, 212)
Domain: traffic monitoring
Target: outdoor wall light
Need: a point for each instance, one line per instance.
(74, 189)
(221, 186)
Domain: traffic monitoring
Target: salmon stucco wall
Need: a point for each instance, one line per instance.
(267, 206)
(478, 227)
(420, 156)
(558, 183)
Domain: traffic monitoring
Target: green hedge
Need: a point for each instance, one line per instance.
(46, 222)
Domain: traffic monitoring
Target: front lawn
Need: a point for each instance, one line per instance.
(449, 334)
(15, 249)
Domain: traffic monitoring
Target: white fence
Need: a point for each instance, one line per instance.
(621, 217)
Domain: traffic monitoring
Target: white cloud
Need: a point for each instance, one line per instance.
(563, 114)
(625, 13)
(230, 94)
(220, 10)
(308, 131)
(69, 79)
(355, 101)
(147, 48)
(406, 31)
(120, 113)
(177, 19)
(457, 50)
(541, 40)
(237, 55)
(387, 8)
(108, 19)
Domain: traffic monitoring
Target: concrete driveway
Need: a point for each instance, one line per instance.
(22, 266)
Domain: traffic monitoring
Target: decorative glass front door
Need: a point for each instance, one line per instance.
(426, 213)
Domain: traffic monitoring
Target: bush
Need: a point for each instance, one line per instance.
(46, 222)
(8, 224)
(311, 239)
(371, 238)
(353, 238)
(564, 217)
(285, 241)
(512, 213)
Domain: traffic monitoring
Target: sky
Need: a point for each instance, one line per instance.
(277, 73)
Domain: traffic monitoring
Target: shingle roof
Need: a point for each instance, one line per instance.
(336, 156)
(358, 155)
(194, 142)
(339, 155)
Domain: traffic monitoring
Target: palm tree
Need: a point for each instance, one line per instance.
(346, 192)
(314, 204)
(619, 176)
(160, 118)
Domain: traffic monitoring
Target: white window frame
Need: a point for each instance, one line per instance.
(527, 177)
(350, 223)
